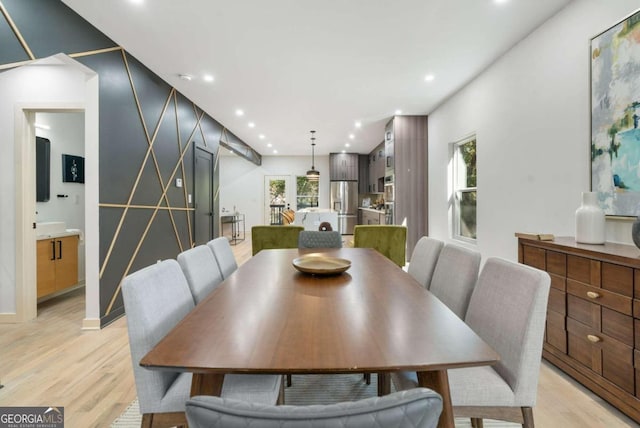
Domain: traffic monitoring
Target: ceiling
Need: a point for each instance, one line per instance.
(297, 65)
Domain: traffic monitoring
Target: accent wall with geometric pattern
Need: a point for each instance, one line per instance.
(148, 134)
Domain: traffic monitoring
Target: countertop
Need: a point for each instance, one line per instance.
(373, 210)
(57, 235)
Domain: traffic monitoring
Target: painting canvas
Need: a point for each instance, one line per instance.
(72, 169)
(615, 117)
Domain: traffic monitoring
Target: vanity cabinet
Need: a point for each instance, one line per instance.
(593, 316)
(57, 264)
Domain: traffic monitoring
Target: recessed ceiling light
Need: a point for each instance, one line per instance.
(251, 125)
(429, 77)
(352, 136)
(275, 152)
(358, 125)
(137, 1)
(500, 1)
(207, 78)
(344, 151)
(261, 136)
(347, 145)
(269, 145)
(239, 112)
(398, 112)
(185, 76)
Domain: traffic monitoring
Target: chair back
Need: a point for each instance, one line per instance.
(317, 239)
(455, 276)
(201, 270)
(389, 240)
(156, 298)
(224, 255)
(507, 310)
(269, 237)
(423, 260)
(415, 408)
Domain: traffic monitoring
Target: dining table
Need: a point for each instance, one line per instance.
(270, 318)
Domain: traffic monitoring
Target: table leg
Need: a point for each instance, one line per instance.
(439, 382)
(384, 384)
(207, 384)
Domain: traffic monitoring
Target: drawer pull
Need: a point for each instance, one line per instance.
(593, 294)
(592, 338)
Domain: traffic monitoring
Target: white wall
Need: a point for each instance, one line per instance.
(242, 182)
(66, 133)
(530, 113)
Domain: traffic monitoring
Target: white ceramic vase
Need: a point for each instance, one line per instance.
(590, 220)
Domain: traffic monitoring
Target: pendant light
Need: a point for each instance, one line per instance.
(312, 174)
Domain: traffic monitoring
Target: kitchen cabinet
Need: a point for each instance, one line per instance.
(363, 174)
(593, 316)
(406, 167)
(57, 264)
(370, 216)
(376, 169)
(343, 166)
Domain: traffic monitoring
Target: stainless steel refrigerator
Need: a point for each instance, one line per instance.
(344, 200)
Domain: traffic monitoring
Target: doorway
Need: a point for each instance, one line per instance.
(203, 196)
(57, 84)
(59, 204)
(277, 197)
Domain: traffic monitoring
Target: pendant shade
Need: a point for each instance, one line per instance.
(312, 174)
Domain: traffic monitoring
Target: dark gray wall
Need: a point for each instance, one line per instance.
(50, 27)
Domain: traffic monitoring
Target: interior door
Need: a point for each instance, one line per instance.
(203, 196)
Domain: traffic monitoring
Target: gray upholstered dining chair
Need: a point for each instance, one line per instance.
(319, 239)
(417, 408)
(224, 255)
(423, 260)
(201, 270)
(156, 298)
(454, 277)
(507, 310)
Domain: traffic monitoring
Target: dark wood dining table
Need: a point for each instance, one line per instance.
(269, 318)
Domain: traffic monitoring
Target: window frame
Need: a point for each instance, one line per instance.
(316, 196)
(457, 162)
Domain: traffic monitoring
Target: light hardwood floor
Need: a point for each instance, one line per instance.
(52, 362)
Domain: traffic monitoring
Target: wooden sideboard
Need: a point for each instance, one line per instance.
(593, 316)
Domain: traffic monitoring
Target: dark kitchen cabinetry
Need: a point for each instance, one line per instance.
(593, 317)
(406, 170)
(343, 166)
(363, 174)
(376, 169)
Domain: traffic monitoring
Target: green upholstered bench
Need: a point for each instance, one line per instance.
(389, 240)
(268, 237)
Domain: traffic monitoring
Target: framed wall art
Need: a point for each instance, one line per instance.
(72, 169)
(615, 117)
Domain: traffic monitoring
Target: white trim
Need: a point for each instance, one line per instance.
(91, 324)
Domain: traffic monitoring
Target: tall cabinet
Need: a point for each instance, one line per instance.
(593, 316)
(406, 160)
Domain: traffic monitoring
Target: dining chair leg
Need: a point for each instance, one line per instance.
(288, 380)
(477, 423)
(384, 384)
(527, 416)
(367, 378)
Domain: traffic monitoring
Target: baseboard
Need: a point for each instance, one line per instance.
(91, 324)
(8, 318)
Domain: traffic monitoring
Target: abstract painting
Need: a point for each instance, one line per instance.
(615, 117)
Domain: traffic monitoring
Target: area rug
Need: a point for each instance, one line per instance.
(313, 389)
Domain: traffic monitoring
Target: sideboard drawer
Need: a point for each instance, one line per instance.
(557, 263)
(534, 257)
(556, 331)
(600, 296)
(618, 279)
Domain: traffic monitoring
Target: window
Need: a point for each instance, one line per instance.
(464, 189)
(306, 193)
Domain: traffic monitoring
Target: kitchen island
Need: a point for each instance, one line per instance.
(311, 218)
